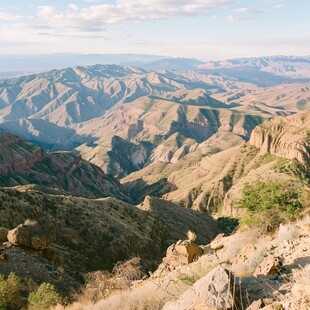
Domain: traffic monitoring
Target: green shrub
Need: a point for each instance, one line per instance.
(10, 292)
(43, 298)
(270, 203)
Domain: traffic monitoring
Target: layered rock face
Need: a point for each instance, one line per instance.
(23, 163)
(285, 137)
(17, 155)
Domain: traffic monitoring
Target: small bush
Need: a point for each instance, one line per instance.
(10, 293)
(255, 260)
(101, 284)
(43, 298)
(126, 272)
(270, 203)
(231, 251)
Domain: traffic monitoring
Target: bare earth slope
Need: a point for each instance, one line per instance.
(157, 116)
(214, 182)
(23, 163)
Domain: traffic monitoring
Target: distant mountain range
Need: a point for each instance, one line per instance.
(262, 71)
(157, 116)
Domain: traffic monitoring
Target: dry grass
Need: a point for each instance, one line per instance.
(101, 284)
(288, 232)
(191, 236)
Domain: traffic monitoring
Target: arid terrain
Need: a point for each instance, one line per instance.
(186, 179)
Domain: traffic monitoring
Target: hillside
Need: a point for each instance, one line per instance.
(172, 129)
(95, 234)
(121, 162)
(213, 181)
(157, 115)
(287, 137)
(241, 271)
(263, 71)
(23, 163)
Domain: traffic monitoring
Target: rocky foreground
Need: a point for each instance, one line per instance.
(243, 271)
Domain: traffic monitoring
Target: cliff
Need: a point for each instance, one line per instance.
(284, 136)
(24, 163)
(17, 155)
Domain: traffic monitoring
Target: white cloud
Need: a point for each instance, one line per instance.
(235, 18)
(9, 16)
(94, 17)
(249, 10)
(279, 6)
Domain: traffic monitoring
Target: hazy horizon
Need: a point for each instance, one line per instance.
(205, 30)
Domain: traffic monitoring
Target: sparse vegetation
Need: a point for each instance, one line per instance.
(43, 298)
(101, 284)
(10, 293)
(271, 203)
(227, 224)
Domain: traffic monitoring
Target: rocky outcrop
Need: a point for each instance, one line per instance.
(30, 235)
(22, 163)
(17, 155)
(269, 266)
(181, 253)
(214, 291)
(284, 136)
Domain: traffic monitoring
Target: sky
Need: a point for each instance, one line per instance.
(203, 29)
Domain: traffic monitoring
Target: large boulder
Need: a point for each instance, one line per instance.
(214, 291)
(183, 252)
(269, 266)
(31, 235)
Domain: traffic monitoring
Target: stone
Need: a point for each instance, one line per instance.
(182, 253)
(217, 243)
(256, 305)
(213, 291)
(30, 235)
(269, 266)
(246, 252)
(274, 306)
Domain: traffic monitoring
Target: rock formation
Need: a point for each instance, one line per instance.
(213, 291)
(285, 137)
(30, 235)
(183, 252)
(269, 266)
(17, 155)
(22, 163)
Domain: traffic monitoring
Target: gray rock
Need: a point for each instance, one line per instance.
(214, 291)
(269, 266)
